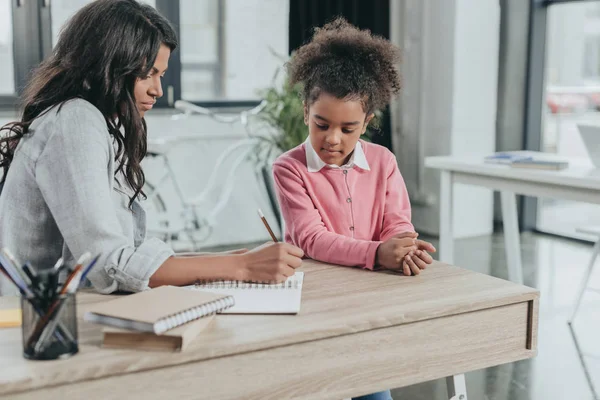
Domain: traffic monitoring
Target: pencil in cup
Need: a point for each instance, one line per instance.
(29, 295)
(47, 346)
(38, 341)
(44, 341)
(69, 289)
(45, 319)
(264, 220)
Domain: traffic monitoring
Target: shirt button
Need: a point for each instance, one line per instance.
(112, 272)
(351, 228)
(349, 200)
(345, 172)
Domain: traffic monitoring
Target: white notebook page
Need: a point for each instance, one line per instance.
(251, 298)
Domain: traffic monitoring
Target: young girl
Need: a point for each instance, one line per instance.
(72, 176)
(343, 199)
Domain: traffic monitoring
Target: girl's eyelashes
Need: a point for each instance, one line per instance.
(325, 127)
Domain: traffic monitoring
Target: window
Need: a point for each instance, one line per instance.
(201, 52)
(572, 96)
(7, 69)
(230, 50)
(591, 51)
(62, 10)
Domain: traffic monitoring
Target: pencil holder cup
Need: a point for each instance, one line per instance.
(49, 328)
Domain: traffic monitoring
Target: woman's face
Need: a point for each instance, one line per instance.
(147, 90)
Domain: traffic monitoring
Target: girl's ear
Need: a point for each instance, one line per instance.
(305, 113)
(367, 120)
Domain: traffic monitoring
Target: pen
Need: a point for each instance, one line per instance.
(52, 279)
(30, 272)
(264, 220)
(8, 256)
(88, 268)
(15, 276)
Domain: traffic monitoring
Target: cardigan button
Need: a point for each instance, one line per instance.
(351, 228)
(349, 200)
(345, 172)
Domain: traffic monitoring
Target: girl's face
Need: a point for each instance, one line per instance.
(334, 127)
(147, 90)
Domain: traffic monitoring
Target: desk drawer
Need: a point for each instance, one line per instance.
(337, 367)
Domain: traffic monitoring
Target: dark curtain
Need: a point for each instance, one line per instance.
(365, 14)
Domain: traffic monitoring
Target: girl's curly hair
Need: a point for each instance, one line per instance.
(347, 63)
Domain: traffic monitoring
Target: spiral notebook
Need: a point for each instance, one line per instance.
(257, 298)
(157, 310)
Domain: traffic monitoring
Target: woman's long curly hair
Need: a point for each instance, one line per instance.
(102, 51)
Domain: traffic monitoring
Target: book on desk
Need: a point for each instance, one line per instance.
(528, 159)
(10, 318)
(176, 339)
(169, 318)
(553, 165)
(166, 317)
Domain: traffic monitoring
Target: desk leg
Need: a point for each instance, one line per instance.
(446, 246)
(457, 387)
(512, 238)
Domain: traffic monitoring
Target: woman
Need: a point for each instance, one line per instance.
(71, 166)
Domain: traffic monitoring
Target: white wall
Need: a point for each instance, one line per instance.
(254, 30)
(448, 105)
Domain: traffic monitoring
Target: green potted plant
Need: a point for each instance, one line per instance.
(282, 122)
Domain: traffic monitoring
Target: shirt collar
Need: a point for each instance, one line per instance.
(315, 164)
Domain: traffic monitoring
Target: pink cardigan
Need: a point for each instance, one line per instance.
(341, 216)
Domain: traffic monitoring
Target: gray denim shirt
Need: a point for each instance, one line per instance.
(61, 199)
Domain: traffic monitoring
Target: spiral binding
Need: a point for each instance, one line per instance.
(192, 314)
(289, 284)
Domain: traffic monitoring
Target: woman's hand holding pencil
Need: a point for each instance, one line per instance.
(271, 262)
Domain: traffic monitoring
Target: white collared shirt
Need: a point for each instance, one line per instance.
(315, 164)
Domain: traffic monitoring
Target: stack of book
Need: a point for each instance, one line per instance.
(165, 318)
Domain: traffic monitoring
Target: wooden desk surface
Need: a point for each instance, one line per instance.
(445, 321)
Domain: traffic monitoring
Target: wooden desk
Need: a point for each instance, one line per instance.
(358, 332)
